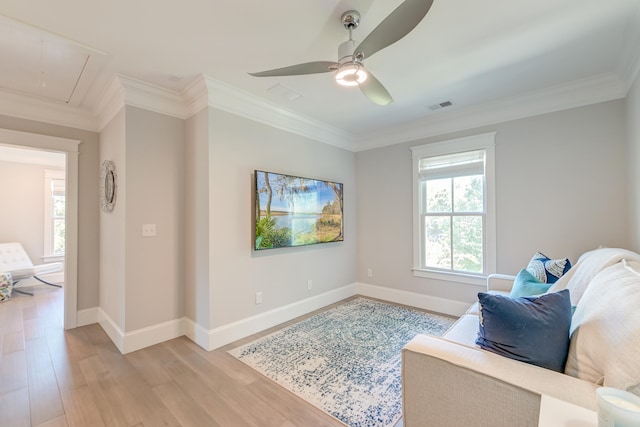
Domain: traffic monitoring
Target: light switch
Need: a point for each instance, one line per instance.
(148, 230)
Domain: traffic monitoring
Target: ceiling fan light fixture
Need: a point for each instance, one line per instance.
(351, 74)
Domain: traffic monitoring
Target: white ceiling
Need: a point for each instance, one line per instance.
(31, 156)
(478, 55)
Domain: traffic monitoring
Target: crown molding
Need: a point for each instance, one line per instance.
(29, 108)
(227, 98)
(206, 92)
(629, 66)
(124, 90)
(110, 102)
(579, 93)
(196, 95)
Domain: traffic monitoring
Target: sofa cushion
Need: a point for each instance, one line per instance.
(464, 331)
(526, 285)
(548, 270)
(534, 330)
(588, 266)
(605, 336)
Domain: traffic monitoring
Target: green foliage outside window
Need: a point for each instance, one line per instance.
(453, 221)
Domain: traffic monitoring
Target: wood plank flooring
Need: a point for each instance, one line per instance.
(50, 377)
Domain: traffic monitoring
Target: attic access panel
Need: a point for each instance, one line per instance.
(41, 64)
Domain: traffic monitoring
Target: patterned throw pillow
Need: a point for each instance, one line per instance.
(6, 286)
(547, 270)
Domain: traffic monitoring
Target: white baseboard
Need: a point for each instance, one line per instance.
(128, 342)
(88, 316)
(425, 302)
(111, 328)
(210, 339)
(145, 337)
(234, 331)
(196, 333)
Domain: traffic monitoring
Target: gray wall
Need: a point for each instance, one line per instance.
(141, 283)
(197, 248)
(112, 225)
(88, 205)
(238, 146)
(633, 158)
(155, 195)
(561, 189)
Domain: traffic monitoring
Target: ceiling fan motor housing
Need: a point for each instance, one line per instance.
(345, 51)
(350, 19)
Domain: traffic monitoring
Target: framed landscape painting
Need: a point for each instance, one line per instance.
(296, 211)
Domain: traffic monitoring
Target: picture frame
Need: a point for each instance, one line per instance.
(296, 211)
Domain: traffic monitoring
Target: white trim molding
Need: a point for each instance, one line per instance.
(88, 316)
(205, 91)
(24, 107)
(225, 334)
(413, 299)
(211, 339)
(486, 142)
(69, 147)
(123, 90)
(579, 93)
(226, 98)
(128, 342)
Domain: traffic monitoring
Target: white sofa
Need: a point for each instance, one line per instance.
(449, 381)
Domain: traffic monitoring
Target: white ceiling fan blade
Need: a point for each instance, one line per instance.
(373, 89)
(398, 24)
(300, 69)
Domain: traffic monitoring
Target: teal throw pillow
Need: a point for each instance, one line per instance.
(548, 270)
(526, 285)
(533, 330)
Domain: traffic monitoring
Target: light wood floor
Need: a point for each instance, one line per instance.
(51, 377)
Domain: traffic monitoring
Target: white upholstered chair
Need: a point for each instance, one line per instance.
(14, 260)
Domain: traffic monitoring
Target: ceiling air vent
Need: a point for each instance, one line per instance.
(284, 92)
(440, 106)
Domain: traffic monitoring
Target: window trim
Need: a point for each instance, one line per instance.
(49, 176)
(485, 141)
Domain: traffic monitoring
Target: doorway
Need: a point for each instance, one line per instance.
(67, 148)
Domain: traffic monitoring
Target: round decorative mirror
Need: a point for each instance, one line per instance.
(108, 186)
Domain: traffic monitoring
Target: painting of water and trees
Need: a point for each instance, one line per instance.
(296, 211)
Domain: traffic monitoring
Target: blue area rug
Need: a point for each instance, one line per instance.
(346, 360)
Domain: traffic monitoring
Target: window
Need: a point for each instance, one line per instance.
(54, 215)
(454, 214)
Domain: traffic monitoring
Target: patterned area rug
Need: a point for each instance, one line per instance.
(346, 360)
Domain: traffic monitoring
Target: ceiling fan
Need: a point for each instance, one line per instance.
(349, 69)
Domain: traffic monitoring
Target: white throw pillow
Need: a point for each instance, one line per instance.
(605, 330)
(579, 277)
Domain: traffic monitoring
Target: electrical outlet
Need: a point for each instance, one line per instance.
(258, 298)
(309, 284)
(369, 272)
(148, 230)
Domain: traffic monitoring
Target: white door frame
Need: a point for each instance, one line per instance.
(69, 147)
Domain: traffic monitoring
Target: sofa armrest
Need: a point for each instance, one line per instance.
(446, 383)
(500, 282)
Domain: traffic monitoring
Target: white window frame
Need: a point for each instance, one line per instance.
(485, 142)
(49, 176)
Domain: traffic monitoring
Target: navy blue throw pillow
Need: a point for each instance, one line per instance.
(532, 329)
